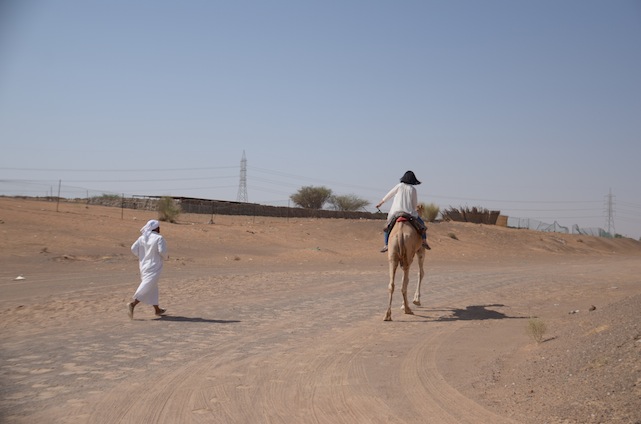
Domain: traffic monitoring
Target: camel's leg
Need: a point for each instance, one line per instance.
(406, 280)
(421, 274)
(392, 274)
(403, 298)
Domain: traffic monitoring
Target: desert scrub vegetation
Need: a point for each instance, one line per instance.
(474, 215)
(310, 197)
(536, 329)
(428, 211)
(168, 209)
(349, 202)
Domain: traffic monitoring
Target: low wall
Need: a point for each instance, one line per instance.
(220, 207)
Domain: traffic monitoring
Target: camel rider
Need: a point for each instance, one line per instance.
(405, 201)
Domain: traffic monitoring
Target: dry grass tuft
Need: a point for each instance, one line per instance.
(536, 329)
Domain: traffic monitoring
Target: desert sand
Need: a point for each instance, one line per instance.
(281, 321)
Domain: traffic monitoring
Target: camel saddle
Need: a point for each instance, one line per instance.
(405, 217)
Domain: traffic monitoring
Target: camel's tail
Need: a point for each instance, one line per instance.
(402, 249)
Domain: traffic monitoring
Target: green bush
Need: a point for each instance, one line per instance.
(348, 202)
(168, 209)
(311, 197)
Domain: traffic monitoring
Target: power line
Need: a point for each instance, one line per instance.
(296, 177)
(513, 201)
(281, 182)
(147, 181)
(632, 205)
(299, 178)
(116, 170)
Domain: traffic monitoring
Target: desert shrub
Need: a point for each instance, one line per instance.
(474, 215)
(428, 211)
(452, 236)
(311, 197)
(349, 202)
(536, 329)
(168, 209)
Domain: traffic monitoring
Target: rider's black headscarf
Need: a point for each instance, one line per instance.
(410, 178)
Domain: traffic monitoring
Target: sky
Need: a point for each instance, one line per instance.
(532, 108)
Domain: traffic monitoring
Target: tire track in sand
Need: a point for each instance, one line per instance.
(341, 367)
(428, 391)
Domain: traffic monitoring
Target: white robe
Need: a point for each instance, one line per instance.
(151, 251)
(405, 200)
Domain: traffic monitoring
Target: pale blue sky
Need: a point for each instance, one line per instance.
(529, 107)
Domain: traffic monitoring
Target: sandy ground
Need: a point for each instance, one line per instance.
(281, 321)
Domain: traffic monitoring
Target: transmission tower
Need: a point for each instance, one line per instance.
(610, 212)
(242, 186)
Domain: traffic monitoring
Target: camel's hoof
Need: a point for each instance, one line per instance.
(417, 302)
(409, 312)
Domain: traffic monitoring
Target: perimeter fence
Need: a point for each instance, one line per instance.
(35, 189)
(555, 227)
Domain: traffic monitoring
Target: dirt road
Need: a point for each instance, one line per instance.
(251, 340)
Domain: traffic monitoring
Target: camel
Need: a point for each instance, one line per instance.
(404, 243)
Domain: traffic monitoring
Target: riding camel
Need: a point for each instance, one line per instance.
(404, 243)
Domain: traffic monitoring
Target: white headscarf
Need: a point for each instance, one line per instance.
(151, 225)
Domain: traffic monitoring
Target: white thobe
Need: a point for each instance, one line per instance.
(151, 252)
(405, 200)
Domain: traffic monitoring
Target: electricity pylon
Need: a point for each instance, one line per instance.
(610, 212)
(242, 186)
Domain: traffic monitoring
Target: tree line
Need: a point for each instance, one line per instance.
(311, 197)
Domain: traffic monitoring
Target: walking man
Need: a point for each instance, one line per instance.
(151, 250)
